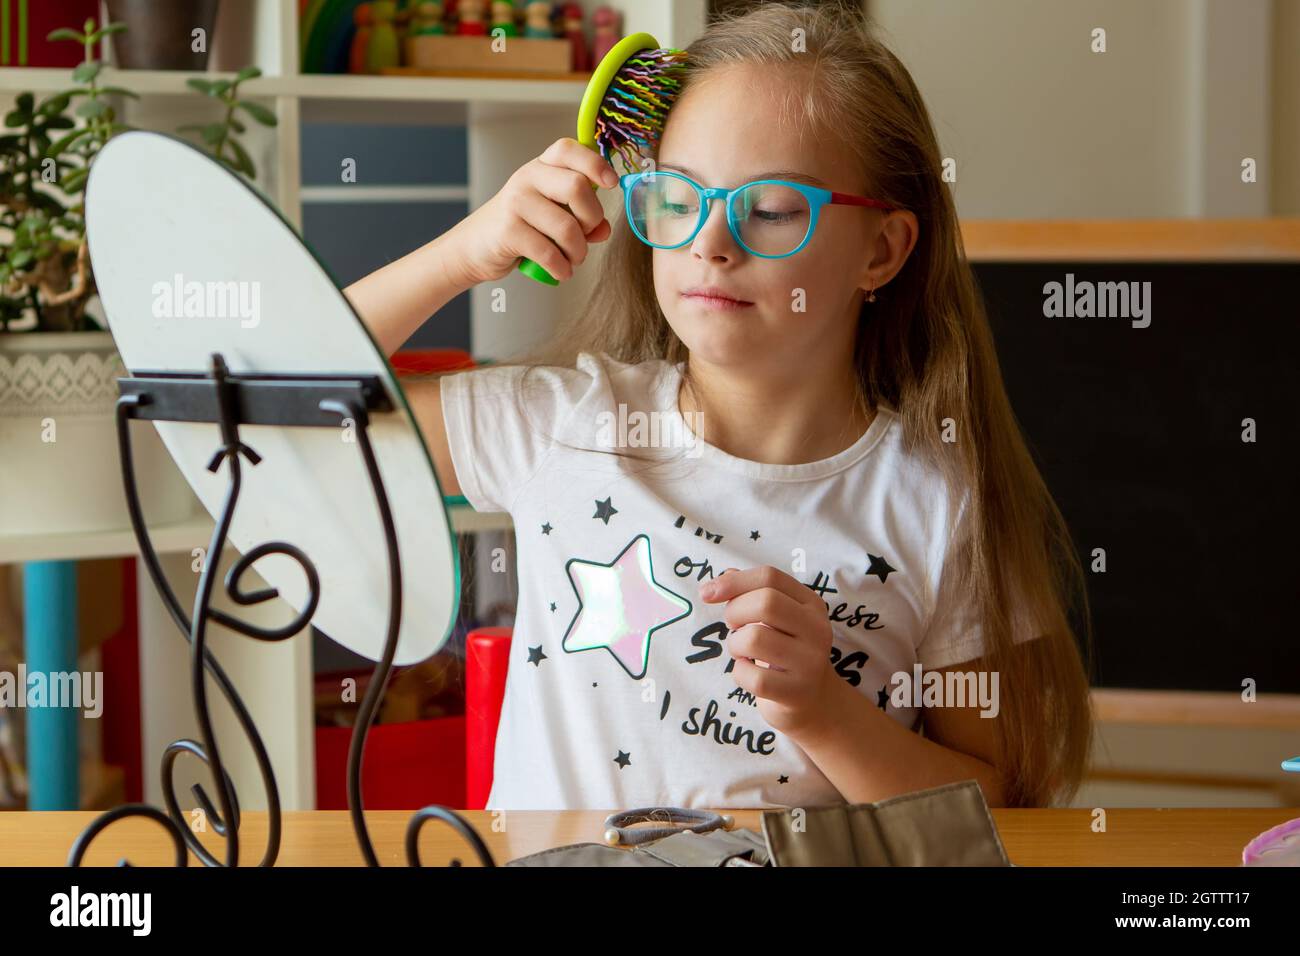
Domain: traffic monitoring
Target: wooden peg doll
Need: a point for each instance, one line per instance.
(362, 18)
(503, 18)
(537, 20)
(471, 18)
(606, 22)
(382, 50)
(426, 19)
(579, 59)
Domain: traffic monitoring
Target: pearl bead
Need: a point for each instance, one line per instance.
(612, 837)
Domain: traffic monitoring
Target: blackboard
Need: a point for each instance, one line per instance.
(1138, 433)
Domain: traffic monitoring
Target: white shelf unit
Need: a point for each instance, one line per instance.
(195, 532)
(508, 123)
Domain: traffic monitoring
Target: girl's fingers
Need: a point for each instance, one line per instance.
(557, 224)
(536, 246)
(759, 642)
(767, 606)
(768, 683)
(735, 582)
(570, 188)
(572, 154)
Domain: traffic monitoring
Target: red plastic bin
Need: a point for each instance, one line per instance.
(408, 765)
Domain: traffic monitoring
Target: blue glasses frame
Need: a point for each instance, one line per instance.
(816, 199)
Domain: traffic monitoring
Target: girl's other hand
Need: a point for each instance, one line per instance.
(780, 640)
(528, 216)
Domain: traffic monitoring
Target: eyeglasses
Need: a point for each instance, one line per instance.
(769, 218)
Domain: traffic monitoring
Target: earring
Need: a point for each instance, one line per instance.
(872, 296)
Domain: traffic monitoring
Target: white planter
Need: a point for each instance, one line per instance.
(59, 467)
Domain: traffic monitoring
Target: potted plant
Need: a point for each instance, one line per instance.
(58, 365)
(162, 36)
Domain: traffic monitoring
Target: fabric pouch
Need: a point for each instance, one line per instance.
(944, 826)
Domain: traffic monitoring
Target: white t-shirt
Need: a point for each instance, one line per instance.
(619, 693)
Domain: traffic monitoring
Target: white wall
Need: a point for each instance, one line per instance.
(1043, 128)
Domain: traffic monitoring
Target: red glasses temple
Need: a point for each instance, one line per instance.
(845, 199)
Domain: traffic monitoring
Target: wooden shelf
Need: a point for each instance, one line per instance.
(567, 92)
(1196, 708)
(182, 536)
(1132, 240)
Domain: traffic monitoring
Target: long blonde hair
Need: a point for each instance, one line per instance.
(924, 349)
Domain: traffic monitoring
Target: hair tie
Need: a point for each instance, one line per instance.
(618, 829)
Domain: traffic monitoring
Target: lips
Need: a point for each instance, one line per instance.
(716, 297)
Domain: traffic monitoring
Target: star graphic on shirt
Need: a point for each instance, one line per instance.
(552, 605)
(546, 528)
(753, 536)
(605, 511)
(623, 759)
(882, 697)
(879, 567)
(620, 606)
(783, 779)
(535, 656)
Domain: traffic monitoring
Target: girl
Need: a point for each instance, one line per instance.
(771, 475)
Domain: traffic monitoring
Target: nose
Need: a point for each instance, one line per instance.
(714, 242)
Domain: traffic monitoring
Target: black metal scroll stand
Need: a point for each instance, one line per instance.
(323, 401)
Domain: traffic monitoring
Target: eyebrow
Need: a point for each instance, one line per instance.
(791, 174)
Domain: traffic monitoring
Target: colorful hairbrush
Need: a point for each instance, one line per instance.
(624, 108)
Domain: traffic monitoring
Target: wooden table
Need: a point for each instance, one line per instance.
(1134, 837)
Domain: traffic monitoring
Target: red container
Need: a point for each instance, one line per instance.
(24, 25)
(426, 361)
(487, 662)
(407, 766)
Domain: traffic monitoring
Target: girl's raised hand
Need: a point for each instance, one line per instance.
(779, 621)
(547, 211)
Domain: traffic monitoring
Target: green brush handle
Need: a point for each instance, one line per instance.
(531, 269)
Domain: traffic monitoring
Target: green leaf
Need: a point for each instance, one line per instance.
(58, 146)
(118, 91)
(203, 86)
(213, 133)
(25, 102)
(21, 259)
(86, 71)
(75, 179)
(245, 161)
(247, 73)
(108, 30)
(92, 109)
(63, 33)
(219, 87)
(258, 112)
(60, 122)
(55, 104)
(15, 118)
(237, 126)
